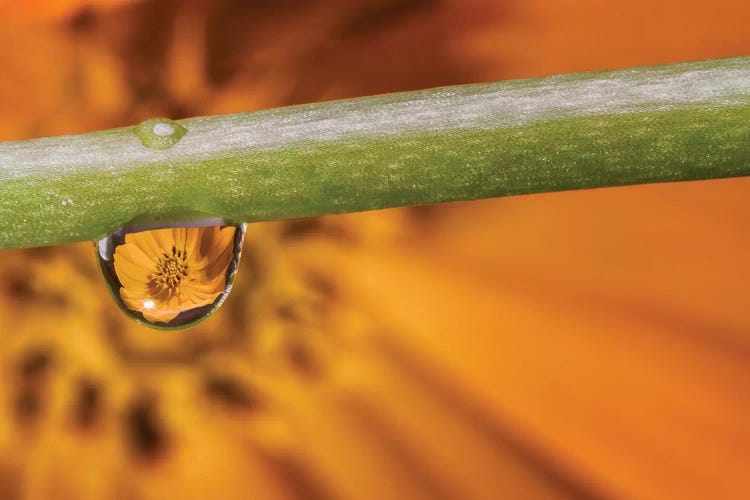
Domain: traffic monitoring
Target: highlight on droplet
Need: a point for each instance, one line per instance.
(171, 277)
(159, 133)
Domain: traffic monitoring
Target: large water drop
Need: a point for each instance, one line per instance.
(171, 277)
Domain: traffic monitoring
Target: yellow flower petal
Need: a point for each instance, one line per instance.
(134, 254)
(130, 276)
(198, 299)
(165, 238)
(220, 253)
(132, 267)
(158, 315)
(191, 240)
(206, 239)
(179, 237)
(132, 298)
(146, 242)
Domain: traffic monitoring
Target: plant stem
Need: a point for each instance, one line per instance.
(655, 124)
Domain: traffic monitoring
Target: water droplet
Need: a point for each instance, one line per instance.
(171, 277)
(159, 133)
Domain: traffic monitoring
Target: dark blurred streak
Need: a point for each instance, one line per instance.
(300, 228)
(231, 392)
(10, 484)
(19, 285)
(711, 337)
(230, 36)
(314, 227)
(35, 363)
(423, 217)
(240, 45)
(288, 312)
(302, 359)
(380, 16)
(406, 460)
(494, 429)
(84, 20)
(28, 403)
(89, 403)
(349, 53)
(32, 371)
(42, 253)
(322, 284)
(140, 34)
(144, 431)
(297, 478)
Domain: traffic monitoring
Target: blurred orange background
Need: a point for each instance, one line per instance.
(586, 344)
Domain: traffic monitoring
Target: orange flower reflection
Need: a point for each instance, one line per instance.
(164, 272)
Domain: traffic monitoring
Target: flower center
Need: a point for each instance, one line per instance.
(171, 269)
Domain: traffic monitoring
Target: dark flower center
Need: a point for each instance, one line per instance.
(171, 269)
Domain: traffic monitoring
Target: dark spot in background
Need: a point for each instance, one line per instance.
(28, 403)
(230, 36)
(300, 228)
(302, 359)
(88, 403)
(112, 328)
(300, 479)
(140, 35)
(32, 371)
(35, 363)
(382, 16)
(313, 227)
(288, 312)
(18, 284)
(41, 253)
(322, 284)
(10, 483)
(144, 431)
(84, 265)
(230, 391)
(55, 299)
(84, 19)
(423, 216)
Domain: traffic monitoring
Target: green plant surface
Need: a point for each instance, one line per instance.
(677, 122)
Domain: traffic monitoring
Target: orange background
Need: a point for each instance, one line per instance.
(580, 344)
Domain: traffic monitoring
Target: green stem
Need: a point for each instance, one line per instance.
(667, 123)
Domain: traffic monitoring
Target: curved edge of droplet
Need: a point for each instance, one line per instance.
(107, 275)
(177, 217)
(239, 239)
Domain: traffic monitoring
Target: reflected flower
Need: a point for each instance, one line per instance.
(164, 272)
